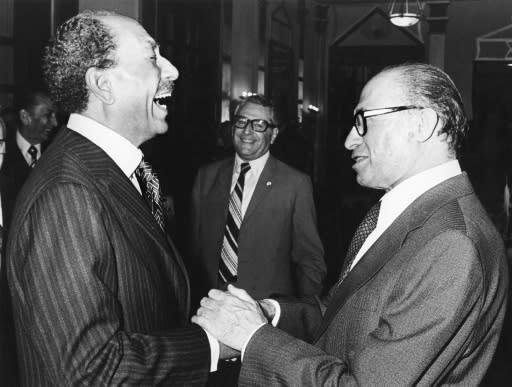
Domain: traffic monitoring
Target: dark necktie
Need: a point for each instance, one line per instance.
(32, 151)
(229, 255)
(151, 191)
(364, 229)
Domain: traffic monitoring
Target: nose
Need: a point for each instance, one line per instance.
(168, 70)
(248, 129)
(353, 139)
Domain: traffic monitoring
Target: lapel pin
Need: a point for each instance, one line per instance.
(269, 183)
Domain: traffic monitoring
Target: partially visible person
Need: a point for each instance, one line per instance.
(422, 298)
(8, 366)
(100, 295)
(26, 140)
(254, 221)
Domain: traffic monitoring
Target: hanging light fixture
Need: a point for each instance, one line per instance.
(405, 13)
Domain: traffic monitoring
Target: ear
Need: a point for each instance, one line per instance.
(428, 125)
(274, 135)
(24, 117)
(99, 85)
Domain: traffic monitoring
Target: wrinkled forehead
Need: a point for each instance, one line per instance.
(383, 90)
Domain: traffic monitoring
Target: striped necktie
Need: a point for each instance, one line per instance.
(151, 191)
(229, 255)
(364, 229)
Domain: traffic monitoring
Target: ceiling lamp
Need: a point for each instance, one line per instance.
(405, 13)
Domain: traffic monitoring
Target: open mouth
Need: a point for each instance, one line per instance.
(358, 159)
(163, 97)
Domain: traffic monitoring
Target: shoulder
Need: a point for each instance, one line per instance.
(216, 166)
(290, 173)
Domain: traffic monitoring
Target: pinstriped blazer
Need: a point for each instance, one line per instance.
(100, 295)
(424, 306)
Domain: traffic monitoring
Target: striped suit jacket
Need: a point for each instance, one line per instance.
(100, 295)
(424, 306)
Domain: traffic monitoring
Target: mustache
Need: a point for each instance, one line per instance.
(166, 85)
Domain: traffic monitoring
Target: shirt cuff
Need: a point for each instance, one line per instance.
(249, 339)
(277, 314)
(214, 351)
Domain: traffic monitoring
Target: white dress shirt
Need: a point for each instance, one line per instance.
(127, 157)
(23, 145)
(251, 177)
(394, 202)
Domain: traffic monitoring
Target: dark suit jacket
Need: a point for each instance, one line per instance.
(279, 250)
(100, 296)
(16, 170)
(424, 306)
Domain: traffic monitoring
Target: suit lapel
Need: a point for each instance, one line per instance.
(120, 190)
(222, 186)
(263, 187)
(389, 243)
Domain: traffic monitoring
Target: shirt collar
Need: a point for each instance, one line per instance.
(256, 165)
(399, 198)
(23, 144)
(126, 155)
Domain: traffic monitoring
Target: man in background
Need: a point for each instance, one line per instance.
(100, 295)
(421, 300)
(35, 120)
(254, 221)
(254, 218)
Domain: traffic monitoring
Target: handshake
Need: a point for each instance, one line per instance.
(232, 317)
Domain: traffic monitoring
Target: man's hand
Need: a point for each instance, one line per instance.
(229, 316)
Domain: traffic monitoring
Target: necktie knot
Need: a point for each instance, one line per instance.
(151, 191)
(244, 168)
(32, 151)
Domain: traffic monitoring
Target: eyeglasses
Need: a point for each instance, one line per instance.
(257, 125)
(361, 116)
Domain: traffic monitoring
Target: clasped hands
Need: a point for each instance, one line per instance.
(231, 317)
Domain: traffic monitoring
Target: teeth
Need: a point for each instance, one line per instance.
(164, 95)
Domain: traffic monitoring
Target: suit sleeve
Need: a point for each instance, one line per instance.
(426, 324)
(307, 250)
(73, 318)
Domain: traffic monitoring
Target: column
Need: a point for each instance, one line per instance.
(244, 47)
(437, 22)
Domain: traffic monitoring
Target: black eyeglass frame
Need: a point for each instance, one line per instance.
(364, 114)
(237, 123)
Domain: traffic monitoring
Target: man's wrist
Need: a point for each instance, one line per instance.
(249, 339)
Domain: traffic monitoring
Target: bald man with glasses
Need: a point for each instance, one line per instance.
(422, 297)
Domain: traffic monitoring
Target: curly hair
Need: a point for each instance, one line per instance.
(80, 43)
(429, 86)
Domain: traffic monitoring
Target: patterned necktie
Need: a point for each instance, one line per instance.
(229, 255)
(32, 151)
(364, 229)
(151, 191)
